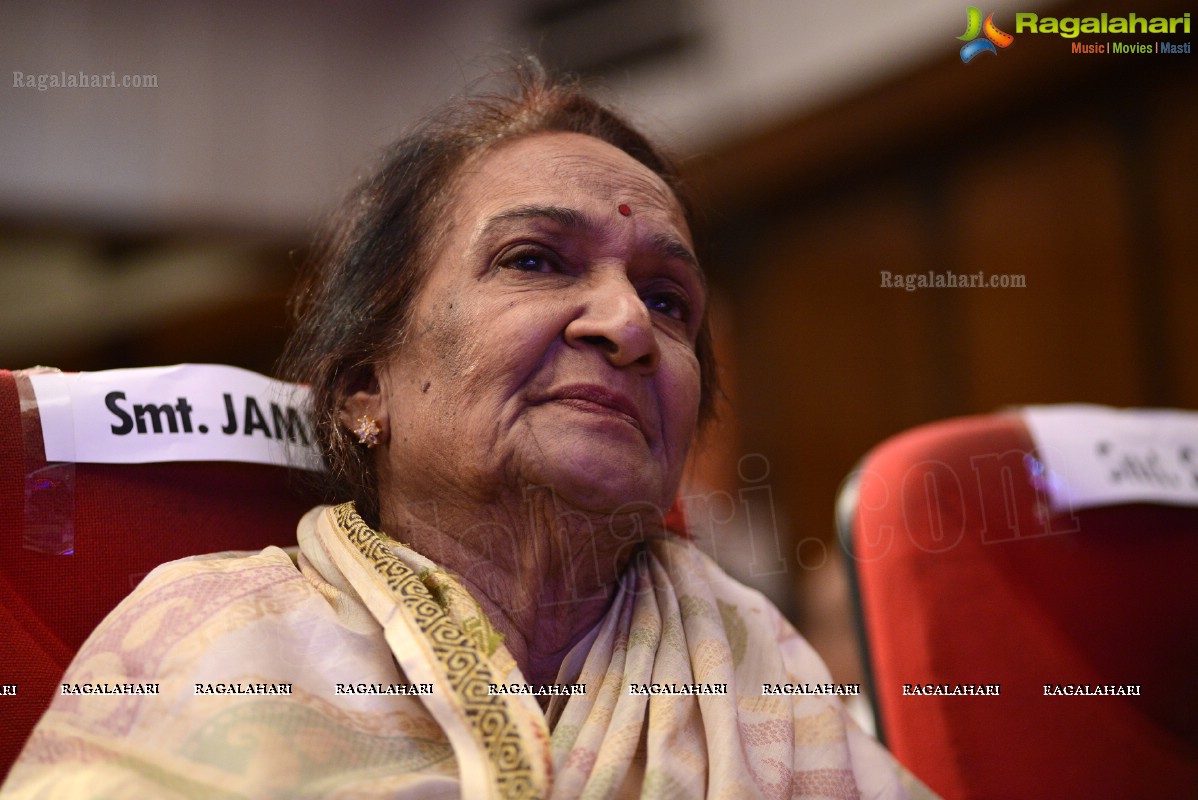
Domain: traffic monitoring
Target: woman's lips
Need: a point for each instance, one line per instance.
(595, 399)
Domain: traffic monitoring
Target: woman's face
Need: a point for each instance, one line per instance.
(553, 343)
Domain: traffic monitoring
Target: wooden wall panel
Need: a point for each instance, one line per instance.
(830, 362)
(1173, 133)
(1078, 172)
(1049, 204)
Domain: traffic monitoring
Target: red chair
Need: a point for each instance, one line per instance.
(964, 577)
(118, 522)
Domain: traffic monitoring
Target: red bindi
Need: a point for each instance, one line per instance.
(624, 209)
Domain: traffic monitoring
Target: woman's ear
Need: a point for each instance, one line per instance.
(363, 412)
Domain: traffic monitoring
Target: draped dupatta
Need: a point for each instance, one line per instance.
(674, 702)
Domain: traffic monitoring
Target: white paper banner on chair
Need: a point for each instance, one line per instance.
(188, 412)
(1100, 456)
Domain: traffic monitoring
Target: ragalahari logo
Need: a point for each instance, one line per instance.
(975, 46)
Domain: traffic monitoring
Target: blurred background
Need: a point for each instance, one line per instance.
(830, 141)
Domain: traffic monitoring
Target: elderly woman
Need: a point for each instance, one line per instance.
(507, 344)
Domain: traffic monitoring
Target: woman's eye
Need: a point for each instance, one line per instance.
(672, 304)
(530, 262)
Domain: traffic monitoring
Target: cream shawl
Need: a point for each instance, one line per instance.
(350, 617)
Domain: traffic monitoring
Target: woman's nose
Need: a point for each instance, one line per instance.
(615, 320)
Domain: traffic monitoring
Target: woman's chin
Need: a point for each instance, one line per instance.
(602, 481)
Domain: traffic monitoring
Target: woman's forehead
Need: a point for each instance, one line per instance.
(560, 163)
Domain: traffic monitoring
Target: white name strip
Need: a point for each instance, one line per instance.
(188, 412)
(1099, 456)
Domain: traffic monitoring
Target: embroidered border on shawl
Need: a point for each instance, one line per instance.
(468, 673)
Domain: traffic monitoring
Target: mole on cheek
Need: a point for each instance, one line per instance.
(424, 386)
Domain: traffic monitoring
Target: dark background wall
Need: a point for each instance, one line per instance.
(1077, 172)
